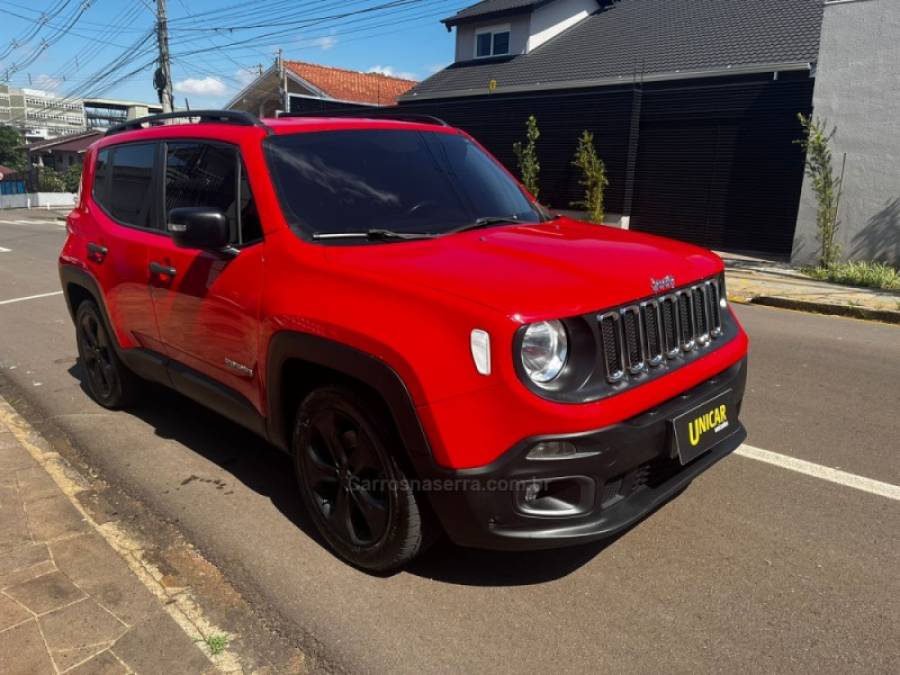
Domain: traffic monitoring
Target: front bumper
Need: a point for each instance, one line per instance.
(622, 473)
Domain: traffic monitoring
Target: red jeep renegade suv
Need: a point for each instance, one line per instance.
(381, 299)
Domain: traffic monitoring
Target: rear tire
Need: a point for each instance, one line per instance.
(352, 485)
(107, 379)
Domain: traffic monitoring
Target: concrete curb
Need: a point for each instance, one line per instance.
(852, 311)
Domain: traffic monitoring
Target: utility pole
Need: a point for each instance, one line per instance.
(282, 81)
(162, 79)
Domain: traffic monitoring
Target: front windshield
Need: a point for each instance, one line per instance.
(393, 179)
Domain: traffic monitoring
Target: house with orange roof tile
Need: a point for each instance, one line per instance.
(297, 86)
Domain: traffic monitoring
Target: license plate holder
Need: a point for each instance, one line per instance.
(696, 431)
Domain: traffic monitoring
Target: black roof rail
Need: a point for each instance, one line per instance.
(225, 116)
(371, 113)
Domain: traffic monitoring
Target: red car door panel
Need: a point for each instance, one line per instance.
(207, 312)
(207, 302)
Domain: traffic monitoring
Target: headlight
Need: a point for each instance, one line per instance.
(545, 347)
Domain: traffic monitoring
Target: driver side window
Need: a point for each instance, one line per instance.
(211, 175)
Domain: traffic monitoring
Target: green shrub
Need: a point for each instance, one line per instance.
(526, 157)
(593, 177)
(49, 180)
(816, 143)
(72, 177)
(869, 274)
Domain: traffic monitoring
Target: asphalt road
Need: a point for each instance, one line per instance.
(754, 567)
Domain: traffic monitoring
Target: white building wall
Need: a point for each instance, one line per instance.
(519, 31)
(858, 91)
(551, 19)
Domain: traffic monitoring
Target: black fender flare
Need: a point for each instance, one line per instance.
(355, 364)
(70, 275)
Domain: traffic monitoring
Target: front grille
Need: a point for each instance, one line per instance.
(647, 335)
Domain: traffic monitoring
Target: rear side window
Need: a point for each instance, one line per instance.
(130, 198)
(101, 178)
(211, 175)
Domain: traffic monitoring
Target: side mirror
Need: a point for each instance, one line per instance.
(199, 227)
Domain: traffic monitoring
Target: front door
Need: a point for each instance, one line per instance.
(207, 302)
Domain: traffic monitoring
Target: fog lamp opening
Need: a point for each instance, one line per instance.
(552, 450)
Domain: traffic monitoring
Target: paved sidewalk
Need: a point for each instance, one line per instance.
(68, 602)
(779, 285)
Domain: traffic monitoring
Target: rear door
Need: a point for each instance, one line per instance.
(124, 228)
(207, 302)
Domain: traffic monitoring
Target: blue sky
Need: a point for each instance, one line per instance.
(102, 47)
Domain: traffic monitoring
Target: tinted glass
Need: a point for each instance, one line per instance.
(501, 43)
(251, 228)
(101, 173)
(201, 174)
(131, 192)
(483, 44)
(206, 175)
(409, 181)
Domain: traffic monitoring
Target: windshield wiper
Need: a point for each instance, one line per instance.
(374, 233)
(486, 221)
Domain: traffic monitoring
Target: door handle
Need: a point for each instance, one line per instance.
(96, 252)
(164, 270)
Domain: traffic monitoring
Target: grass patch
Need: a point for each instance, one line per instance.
(868, 274)
(216, 643)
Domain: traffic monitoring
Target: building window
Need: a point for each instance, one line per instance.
(491, 41)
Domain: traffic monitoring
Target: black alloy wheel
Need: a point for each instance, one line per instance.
(346, 477)
(351, 482)
(109, 382)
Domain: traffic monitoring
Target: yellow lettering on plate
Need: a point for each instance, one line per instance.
(706, 421)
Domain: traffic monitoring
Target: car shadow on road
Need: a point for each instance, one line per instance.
(269, 472)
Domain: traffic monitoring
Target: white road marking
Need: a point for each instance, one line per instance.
(23, 222)
(4, 250)
(30, 297)
(875, 487)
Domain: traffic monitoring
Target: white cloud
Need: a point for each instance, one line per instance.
(208, 86)
(46, 83)
(390, 72)
(324, 43)
(435, 68)
(245, 76)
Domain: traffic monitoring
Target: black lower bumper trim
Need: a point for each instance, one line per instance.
(620, 474)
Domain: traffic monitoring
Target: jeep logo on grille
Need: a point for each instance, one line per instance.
(664, 284)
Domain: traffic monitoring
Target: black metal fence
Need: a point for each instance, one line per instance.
(708, 161)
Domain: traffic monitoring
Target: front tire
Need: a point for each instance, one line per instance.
(352, 485)
(107, 379)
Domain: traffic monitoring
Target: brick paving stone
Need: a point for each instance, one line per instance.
(11, 613)
(23, 651)
(79, 625)
(20, 557)
(35, 484)
(26, 573)
(46, 593)
(13, 520)
(54, 517)
(102, 664)
(94, 616)
(157, 646)
(13, 457)
(91, 564)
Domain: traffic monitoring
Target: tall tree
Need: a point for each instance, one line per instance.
(12, 149)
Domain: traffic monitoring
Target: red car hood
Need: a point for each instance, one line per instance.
(555, 269)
